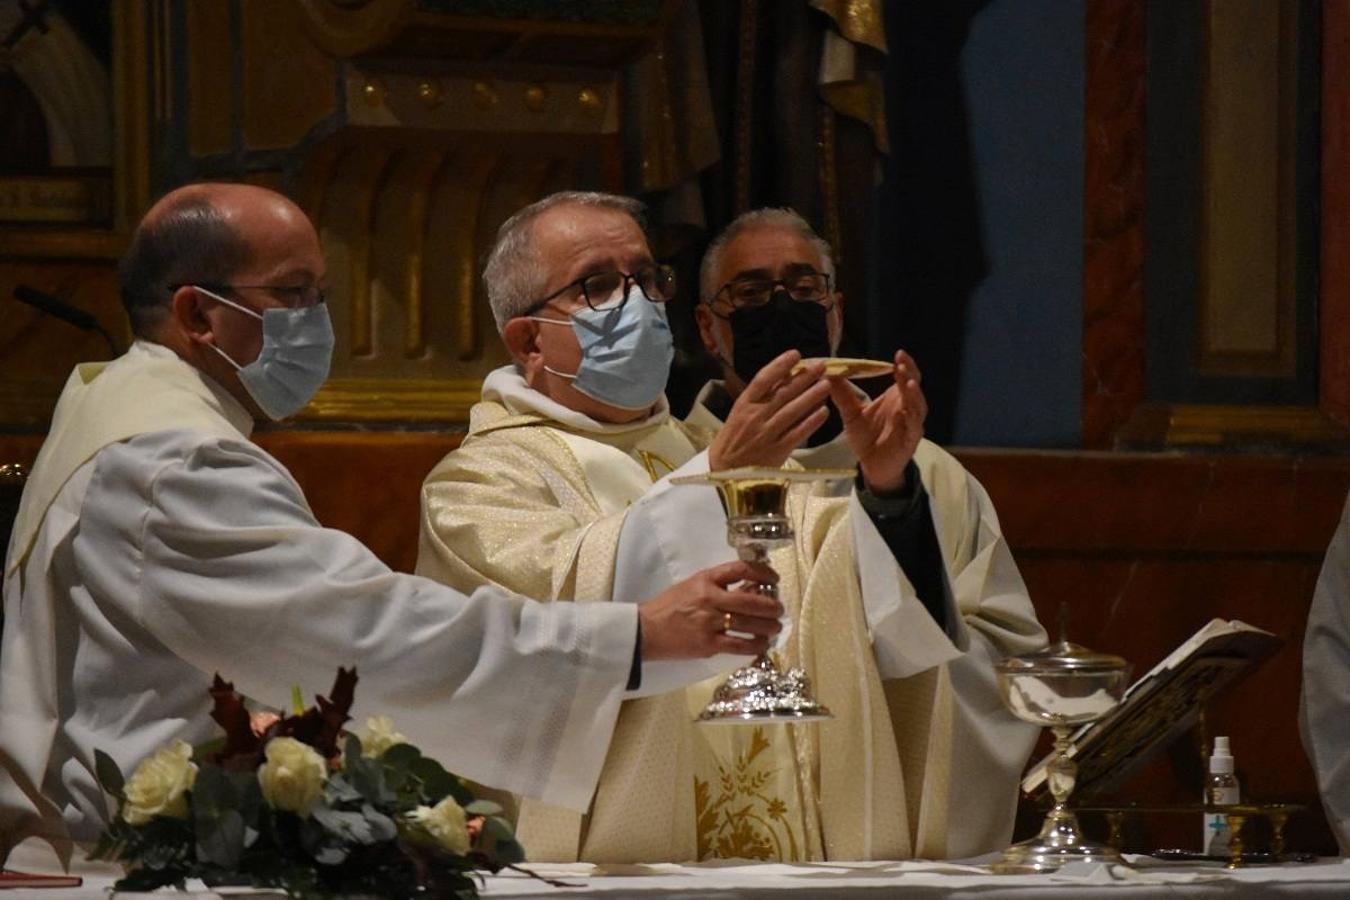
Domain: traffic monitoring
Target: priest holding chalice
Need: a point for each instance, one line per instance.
(899, 586)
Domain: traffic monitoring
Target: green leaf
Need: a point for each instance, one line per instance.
(216, 801)
(508, 852)
(251, 805)
(400, 756)
(483, 808)
(202, 752)
(437, 784)
(367, 776)
(339, 790)
(498, 828)
(109, 775)
(367, 826)
(351, 751)
(221, 840)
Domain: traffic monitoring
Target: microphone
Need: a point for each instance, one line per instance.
(59, 309)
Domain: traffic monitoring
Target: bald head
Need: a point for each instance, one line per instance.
(198, 234)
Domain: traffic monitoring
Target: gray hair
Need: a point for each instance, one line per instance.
(770, 217)
(514, 275)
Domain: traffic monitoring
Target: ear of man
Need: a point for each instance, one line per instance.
(703, 316)
(521, 336)
(186, 315)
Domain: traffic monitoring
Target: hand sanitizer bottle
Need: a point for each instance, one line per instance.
(1221, 788)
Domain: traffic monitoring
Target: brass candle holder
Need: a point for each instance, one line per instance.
(755, 500)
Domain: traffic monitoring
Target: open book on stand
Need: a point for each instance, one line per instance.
(1159, 706)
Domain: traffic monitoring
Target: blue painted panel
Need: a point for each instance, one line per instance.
(1023, 71)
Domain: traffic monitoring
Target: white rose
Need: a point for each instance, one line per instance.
(160, 784)
(445, 824)
(379, 736)
(293, 776)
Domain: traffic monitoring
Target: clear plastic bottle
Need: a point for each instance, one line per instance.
(1221, 788)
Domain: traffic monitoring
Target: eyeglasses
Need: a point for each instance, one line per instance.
(291, 295)
(806, 286)
(657, 283)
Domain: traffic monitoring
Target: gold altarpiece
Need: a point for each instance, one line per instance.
(407, 129)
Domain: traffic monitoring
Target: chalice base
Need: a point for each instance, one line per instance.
(761, 692)
(1060, 842)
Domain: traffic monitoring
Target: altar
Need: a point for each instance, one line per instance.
(919, 880)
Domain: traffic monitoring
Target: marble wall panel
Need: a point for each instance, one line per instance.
(1113, 217)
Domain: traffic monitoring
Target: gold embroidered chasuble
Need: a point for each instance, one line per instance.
(536, 505)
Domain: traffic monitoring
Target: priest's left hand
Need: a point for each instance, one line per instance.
(884, 432)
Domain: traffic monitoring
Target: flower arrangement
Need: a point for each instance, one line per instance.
(297, 803)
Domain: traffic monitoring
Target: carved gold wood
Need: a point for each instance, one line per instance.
(406, 217)
(411, 29)
(75, 260)
(1182, 425)
(132, 112)
(424, 179)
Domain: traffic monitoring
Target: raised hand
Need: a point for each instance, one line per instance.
(772, 416)
(884, 432)
(691, 619)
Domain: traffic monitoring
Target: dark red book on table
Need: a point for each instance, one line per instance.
(10, 879)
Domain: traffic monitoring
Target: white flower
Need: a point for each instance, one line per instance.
(445, 824)
(160, 784)
(379, 736)
(293, 776)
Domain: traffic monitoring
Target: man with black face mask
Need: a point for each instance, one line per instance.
(767, 287)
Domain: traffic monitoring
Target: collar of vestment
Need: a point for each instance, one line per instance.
(509, 402)
(147, 389)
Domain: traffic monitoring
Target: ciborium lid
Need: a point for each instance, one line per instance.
(1062, 655)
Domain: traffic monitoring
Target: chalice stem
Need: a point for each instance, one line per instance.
(1063, 771)
(754, 552)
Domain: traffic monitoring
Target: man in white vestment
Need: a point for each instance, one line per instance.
(563, 489)
(156, 545)
(1325, 711)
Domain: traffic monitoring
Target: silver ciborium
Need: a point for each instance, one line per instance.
(1062, 686)
(755, 500)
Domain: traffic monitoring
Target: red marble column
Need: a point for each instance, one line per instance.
(1113, 217)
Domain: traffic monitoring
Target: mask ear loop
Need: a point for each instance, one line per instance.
(548, 368)
(723, 354)
(239, 306)
(243, 309)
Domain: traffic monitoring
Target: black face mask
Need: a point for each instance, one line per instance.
(763, 332)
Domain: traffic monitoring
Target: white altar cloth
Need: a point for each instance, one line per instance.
(1327, 878)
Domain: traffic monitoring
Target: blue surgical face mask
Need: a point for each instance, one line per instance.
(293, 364)
(626, 351)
